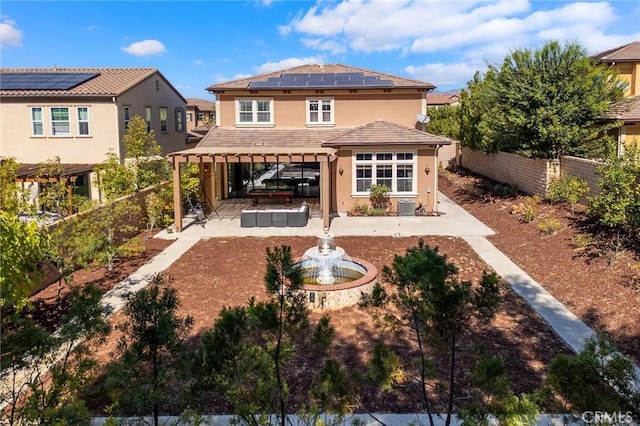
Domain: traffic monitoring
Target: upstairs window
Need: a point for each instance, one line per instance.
(147, 117)
(320, 111)
(127, 117)
(254, 112)
(179, 120)
(60, 121)
(189, 116)
(83, 121)
(163, 119)
(37, 123)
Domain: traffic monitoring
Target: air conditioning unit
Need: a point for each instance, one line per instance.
(406, 207)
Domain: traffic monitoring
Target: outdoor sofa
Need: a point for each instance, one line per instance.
(295, 217)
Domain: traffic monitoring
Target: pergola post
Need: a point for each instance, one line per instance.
(324, 193)
(177, 196)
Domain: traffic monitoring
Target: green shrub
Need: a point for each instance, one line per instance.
(582, 240)
(384, 367)
(377, 211)
(550, 226)
(567, 188)
(527, 210)
(358, 209)
(379, 196)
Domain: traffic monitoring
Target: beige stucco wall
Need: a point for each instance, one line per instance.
(632, 132)
(16, 140)
(156, 93)
(630, 72)
(350, 109)
(343, 200)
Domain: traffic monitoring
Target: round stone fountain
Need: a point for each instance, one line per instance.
(331, 278)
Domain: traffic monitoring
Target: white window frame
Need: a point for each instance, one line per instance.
(54, 122)
(179, 117)
(147, 116)
(255, 113)
(189, 116)
(321, 120)
(126, 114)
(385, 158)
(34, 122)
(164, 127)
(80, 121)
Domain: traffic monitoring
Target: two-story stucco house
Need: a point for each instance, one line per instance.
(325, 131)
(626, 60)
(79, 114)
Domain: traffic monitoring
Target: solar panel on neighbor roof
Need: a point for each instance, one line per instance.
(43, 80)
(317, 80)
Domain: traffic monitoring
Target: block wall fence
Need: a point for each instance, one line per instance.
(530, 175)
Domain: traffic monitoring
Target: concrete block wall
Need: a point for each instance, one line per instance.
(449, 155)
(582, 168)
(530, 175)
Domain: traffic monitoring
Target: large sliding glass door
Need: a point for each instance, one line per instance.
(303, 178)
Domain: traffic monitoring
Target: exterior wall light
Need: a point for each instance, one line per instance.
(427, 169)
(340, 170)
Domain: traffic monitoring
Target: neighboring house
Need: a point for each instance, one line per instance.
(435, 100)
(79, 114)
(201, 115)
(323, 131)
(626, 60)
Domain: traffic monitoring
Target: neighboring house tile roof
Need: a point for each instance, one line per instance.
(31, 170)
(201, 104)
(202, 129)
(627, 53)
(109, 82)
(243, 83)
(627, 110)
(441, 99)
(382, 132)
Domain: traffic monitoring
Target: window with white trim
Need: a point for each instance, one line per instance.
(60, 121)
(163, 119)
(127, 116)
(320, 111)
(254, 111)
(179, 112)
(189, 116)
(37, 122)
(147, 117)
(83, 121)
(394, 169)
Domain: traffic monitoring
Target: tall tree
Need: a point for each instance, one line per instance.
(444, 120)
(542, 104)
(13, 199)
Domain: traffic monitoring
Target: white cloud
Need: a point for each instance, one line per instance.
(219, 78)
(332, 46)
(10, 36)
(199, 63)
(145, 48)
(443, 75)
(287, 63)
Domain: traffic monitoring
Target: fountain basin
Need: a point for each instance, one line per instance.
(357, 276)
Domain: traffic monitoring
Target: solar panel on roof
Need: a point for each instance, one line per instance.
(320, 80)
(43, 80)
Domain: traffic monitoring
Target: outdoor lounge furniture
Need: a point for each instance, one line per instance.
(271, 194)
(297, 217)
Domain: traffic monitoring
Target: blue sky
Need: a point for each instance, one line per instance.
(196, 44)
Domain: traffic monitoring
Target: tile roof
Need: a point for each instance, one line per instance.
(627, 53)
(201, 104)
(30, 170)
(441, 99)
(268, 137)
(203, 128)
(110, 82)
(627, 110)
(382, 132)
(243, 83)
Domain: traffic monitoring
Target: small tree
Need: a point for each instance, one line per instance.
(56, 367)
(151, 345)
(54, 189)
(432, 303)
(13, 199)
(567, 188)
(23, 248)
(116, 180)
(617, 206)
(379, 197)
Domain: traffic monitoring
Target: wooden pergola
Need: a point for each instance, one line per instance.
(251, 154)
